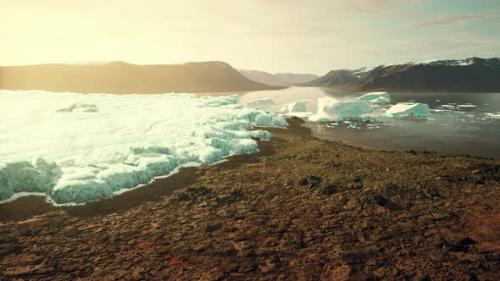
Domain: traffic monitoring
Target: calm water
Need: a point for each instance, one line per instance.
(459, 124)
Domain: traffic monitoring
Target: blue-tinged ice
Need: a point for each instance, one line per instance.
(77, 148)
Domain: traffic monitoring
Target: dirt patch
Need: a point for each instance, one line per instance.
(485, 230)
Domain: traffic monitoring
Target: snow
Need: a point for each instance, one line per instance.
(76, 148)
(376, 98)
(408, 110)
(459, 62)
(330, 109)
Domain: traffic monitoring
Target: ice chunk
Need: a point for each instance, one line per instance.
(258, 103)
(448, 106)
(334, 110)
(270, 120)
(376, 98)
(79, 107)
(408, 110)
(493, 115)
(466, 106)
(127, 140)
(294, 107)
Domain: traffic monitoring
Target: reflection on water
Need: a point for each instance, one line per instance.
(459, 123)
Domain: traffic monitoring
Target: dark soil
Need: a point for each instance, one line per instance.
(302, 209)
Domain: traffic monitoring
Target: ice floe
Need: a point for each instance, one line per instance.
(76, 148)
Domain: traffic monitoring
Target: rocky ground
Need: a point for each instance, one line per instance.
(302, 209)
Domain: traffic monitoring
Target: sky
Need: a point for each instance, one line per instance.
(311, 36)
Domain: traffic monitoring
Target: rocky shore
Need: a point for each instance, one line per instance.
(301, 209)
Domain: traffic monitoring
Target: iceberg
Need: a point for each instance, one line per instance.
(408, 110)
(368, 107)
(75, 148)
(330, 109)
(294, 107)
(376, 98)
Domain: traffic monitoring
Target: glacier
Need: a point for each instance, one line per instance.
(75, 148)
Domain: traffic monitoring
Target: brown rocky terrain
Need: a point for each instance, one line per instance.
(302, 209)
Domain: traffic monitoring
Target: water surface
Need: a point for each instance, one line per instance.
(461, 123)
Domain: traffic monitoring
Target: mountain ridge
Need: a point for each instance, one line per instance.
(466, 75)
(124, 78)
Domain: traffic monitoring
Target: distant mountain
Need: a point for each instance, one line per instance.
(263, 77)
(121, 77)
(336, 78)
(468, 75)
(278, 79)
(296, 78)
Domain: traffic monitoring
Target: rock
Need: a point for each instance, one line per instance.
(460, 246)
(193, 193)
(380, 200)
(229, 198)
(28, 270)
(329, 190)
(341, 273)
(211, 227)
(310, 181)
(386, 203)
(247, 265)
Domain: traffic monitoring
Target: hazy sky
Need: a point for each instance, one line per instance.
(273, 35)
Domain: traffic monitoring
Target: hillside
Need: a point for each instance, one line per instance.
(468, 75)
(121, 77)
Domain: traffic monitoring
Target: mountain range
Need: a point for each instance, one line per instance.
(122, 78)
(467, 75)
